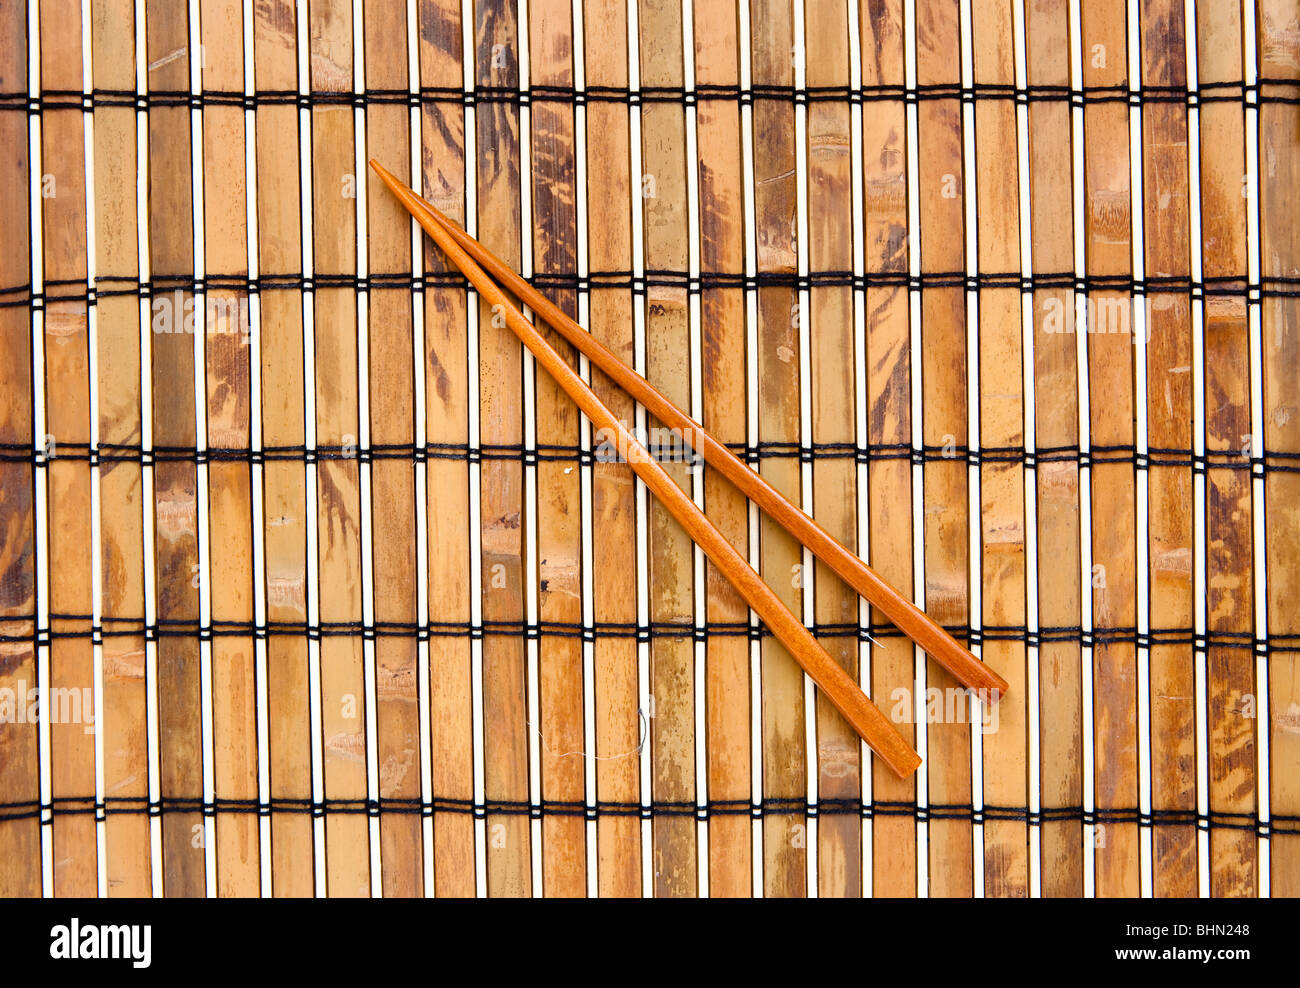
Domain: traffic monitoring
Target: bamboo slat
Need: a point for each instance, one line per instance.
(284, 481)
(781, 556)
(889, 420)
(1056, 428)
(613, 496)
(943, 377)
(1108, 246)
(230, 507)
(69, 704)
(392, 423)
(1278, 26)
(446, 403)
(124, 718)
(1002, 483)
(20, 834)
(1229, 535)
(671, 564)
(834, 420)
(1166, 241)
(559, 493)
(723, 346)
(338, 480)
(171, 261)
(501, 481)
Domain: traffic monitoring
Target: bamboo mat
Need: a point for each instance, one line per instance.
(310, 585)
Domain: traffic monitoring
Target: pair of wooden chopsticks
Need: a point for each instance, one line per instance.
(472, 258)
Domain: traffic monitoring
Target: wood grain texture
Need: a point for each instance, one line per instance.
(1056, 428)
(284, 482)
(889, 417)
(559, 492)
(834, 420)
(613, 498)
(1278, 48)
(20, 835)
(775, 206)
(943, 376)
(668, 367)
(392, 485)
(446, 403)
(338, 482)
(1166, 235)
(723, 345)
(128, 857)
(69, 705)
(1108, 251)
(1002, 484)
(230, 508)
(501, 482)
(175, 507)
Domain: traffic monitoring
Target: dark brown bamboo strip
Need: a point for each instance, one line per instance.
(834, 420)
(1002, 484)
(230, 505)
(446, 404)
(1166, 245)
(613, 497)
(559, 492)
(20, 836)
(284, 482)
(1229, 535)
(1279, 177)
(171, 256)
(338, 480)
(1108, 245)
(775, 207)
(723, 345)
(1056, 426)
(392, 486)
(501, 482)
(667, 334)
(889, 419)
(69, 706)
(124, 718)
(943, 376)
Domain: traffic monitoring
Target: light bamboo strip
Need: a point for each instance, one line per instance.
(69, 706)
(171, 257)
(20, 833)
(723, 346)
(559, 492)
(1279, 176)
(501, 482)
(1056, 427)
(230, 507)
(613, 497)
(1002, 483)
(392, 422)
(667, 334)
(338, 507)
(834, 420)
(943, 343)
(1166, 242)
(284, 481)
(889, 420)
(446, 404)
(781, 556)
(1108, 244)
(124, 718)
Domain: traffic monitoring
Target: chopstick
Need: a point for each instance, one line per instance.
(906, 616)
(840, 688)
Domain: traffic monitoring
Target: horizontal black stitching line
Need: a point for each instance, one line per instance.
(769, 807)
